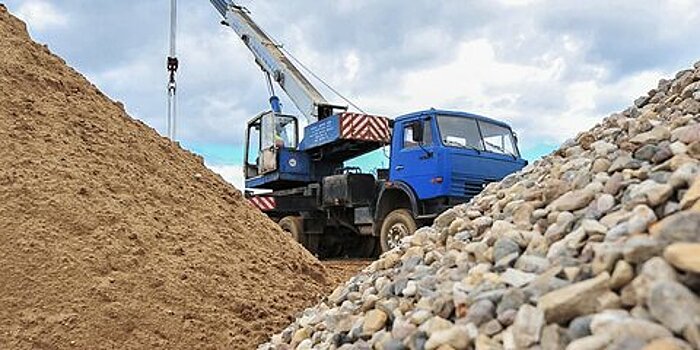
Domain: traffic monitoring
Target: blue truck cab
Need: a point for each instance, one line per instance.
(452, 155)
(439, 159)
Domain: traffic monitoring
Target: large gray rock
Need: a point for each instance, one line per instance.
(653, 136)
(572, 200)
(639, 249)
(480, 312)
(646, 152)
(580, 327)
(624, 161)
(491, 328)
(505, 247)
(605, 256)
(527, 327)
(602, 148)
(553, 338)
(642, 217)
(681, 227)
(650, 193)
(687, 134)
(575, 300)
(654, 270)
(532, 263)
(457, 337)
(562, 225)
(511, 300)
(631, 327)
(674, 305)
(434, 325)
(593, 342)
(444, 219)
(517, 278)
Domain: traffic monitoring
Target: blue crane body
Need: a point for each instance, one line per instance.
(438, 169)
(438, 159)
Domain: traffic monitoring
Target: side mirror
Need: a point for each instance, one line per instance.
(417, 129)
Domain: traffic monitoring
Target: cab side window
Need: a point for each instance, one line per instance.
(411, 137)
(427, 134)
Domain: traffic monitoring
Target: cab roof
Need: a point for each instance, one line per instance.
(434, 111)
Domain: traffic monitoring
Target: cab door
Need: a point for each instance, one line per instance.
(268, 151)
(414, 160)
(266, 135)
(252, 149)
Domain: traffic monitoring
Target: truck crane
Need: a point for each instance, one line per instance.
(438, 159)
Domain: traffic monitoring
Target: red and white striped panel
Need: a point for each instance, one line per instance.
(263, 203)
(367, 127)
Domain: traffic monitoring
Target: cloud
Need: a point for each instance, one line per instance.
(548, 67)
(542, 99)
(41, 15)
(231, 173)
(517, 3)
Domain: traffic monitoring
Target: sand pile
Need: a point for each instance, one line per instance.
(596, 246)
(113, 237)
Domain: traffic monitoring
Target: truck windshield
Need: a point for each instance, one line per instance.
(478, 135)
(460, 132)
(498, 139)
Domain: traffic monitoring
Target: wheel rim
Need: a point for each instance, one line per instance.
(397, 231)
(287, 231)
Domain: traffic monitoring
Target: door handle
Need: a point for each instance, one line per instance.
(398, 167)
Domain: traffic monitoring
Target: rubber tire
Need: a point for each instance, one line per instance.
(365, 247)
(295, 226)
(397, 216)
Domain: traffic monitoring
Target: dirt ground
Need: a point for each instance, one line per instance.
(116, 238)
(339, 271)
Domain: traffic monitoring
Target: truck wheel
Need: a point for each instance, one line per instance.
(397, 225)
(295, 227)
(365, 247)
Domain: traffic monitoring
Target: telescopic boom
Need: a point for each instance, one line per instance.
(270, 57)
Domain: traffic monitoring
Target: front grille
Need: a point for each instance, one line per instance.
(471, 189)
(466, 186)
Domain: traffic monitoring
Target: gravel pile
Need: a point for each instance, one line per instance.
(596, 246)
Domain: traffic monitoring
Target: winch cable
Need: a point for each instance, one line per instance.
(172, 66)
(327, 85)
(309, 71)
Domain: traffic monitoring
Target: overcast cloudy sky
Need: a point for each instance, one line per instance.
(551, 68)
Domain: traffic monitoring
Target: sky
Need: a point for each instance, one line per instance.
(549, 68)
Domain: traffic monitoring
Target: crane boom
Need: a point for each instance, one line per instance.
(276, 64)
